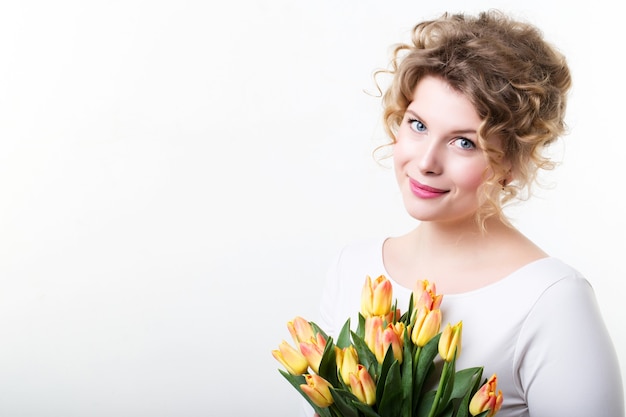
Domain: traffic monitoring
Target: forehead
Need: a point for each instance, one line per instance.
(438, 104)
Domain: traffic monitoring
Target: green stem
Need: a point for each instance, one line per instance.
(440, 389)
(415, 383)
(416, 358)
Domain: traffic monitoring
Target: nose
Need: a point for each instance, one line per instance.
(429, 158)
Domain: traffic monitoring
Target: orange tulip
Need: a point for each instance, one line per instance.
(426, 326)
(393, 336)
(374, 336)
(393, 316)
(487, 399)
(376, 297)
(300, 330)
(313, 351)
(318, 390)
(291, 359)
(425, 295)
(362, 386)
(347, 362)
(450, 341)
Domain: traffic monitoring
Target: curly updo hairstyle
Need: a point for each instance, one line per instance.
(517, 82)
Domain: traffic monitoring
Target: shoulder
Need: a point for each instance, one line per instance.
(556, 293)
(363, 249)
(546, 273)
(545, 287)
(360, 257)
(354, 262)
(561, 289)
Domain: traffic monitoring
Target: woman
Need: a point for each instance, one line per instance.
(474, 102)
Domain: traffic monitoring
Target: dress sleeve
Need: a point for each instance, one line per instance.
(568, 365)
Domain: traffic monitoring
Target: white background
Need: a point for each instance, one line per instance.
(175, 177)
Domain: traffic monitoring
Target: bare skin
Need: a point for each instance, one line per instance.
(438, 252)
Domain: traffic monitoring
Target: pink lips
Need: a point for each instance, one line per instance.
(424, 191)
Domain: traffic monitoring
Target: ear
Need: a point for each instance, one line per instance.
(507, 168)
(507, 178)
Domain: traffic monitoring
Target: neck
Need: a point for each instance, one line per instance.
(435, 235)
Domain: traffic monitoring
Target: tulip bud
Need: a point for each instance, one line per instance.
(313, 351)
(393, 336)
(374, 336)
(426, 326)
(347, 362)
(393, 316)
(376, 297)
(362, 386)
(300, 330)
(486, 399)
(450, 341)
(425, 295)
(291, 359)
(318, 390)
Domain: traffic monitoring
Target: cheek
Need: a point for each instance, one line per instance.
(401, 157)
(402, 152)
(470, 176)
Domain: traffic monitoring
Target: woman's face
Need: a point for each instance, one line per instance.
(438, 164)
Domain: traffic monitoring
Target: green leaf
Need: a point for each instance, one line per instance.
(296, 381)
(366, 409)
(429, 352)
(344, 401)
(391, 404)
(448, 411)
(384, 369)
(464, 404)
(318, 329)
(360, 330)
(366, 356)
(406, 317)
(425, 404)
(424, 366)
(406, 369)
(343, 341)
(465, 380)
(328, 364)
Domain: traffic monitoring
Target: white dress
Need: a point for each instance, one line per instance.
(539, 329)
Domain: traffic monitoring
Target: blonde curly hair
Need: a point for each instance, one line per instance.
(517, 82)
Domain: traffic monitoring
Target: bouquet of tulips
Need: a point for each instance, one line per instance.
(384, 367)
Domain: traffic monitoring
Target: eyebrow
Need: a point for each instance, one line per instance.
(455, 132)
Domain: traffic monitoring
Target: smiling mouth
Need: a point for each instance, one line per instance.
(425, 191)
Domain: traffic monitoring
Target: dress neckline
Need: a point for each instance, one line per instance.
(488, 287)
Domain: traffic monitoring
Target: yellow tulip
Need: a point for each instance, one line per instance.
(318, 390)
(393, 336)
(425, 295)
(450, 341)
(300, 330)
(362, 386)
(291, 359)
(487, 399)
(347, 361)
(426, 326)
(313, 351)
(376, 297)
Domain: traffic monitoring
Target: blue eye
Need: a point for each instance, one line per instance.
(417, 125)
(465, 143)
